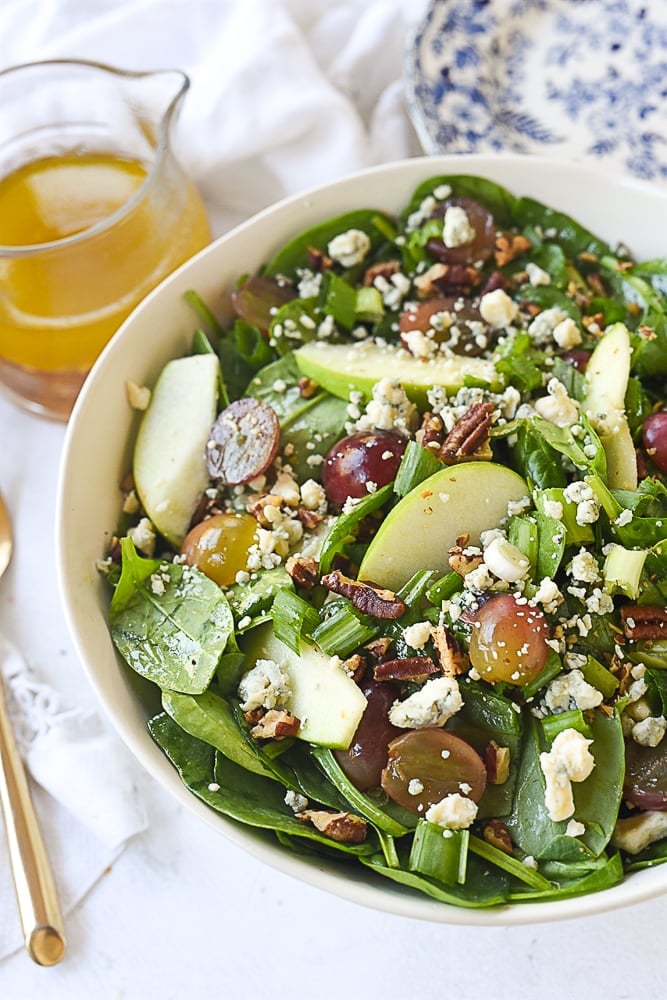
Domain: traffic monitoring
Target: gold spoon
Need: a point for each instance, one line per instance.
(36, 894)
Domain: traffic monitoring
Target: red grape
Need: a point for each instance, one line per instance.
(578, 358)
(243, 441)
(363, 761)
(654, 436)
(363, 458)
(484, 242)
(508, 641)
(417, 316)
(646, 775)
(425, 765)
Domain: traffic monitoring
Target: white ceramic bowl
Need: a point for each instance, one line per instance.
(97, 452)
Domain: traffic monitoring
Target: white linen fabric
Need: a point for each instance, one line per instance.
(285, 94)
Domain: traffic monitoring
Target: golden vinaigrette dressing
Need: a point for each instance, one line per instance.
(60, 305)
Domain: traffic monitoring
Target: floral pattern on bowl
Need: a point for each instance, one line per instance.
(572, 78)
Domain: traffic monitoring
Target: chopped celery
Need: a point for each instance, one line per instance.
(440, 854)
(623, 569)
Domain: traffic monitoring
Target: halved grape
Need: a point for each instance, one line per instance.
(425, 765)
(219, 546)
(363, 761)
(654, 437)
(480, 248)
(508, 640)
(362, 462)
(243, 441)
(646, 775)
(462, 334)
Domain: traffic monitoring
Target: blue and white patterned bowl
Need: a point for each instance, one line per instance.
(581, 79)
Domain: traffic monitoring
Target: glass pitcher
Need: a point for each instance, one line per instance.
(94, 212)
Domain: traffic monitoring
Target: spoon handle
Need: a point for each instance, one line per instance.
(36, 894)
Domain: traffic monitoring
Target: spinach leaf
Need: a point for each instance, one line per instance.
(249, 798)
(574, 238)
(534, 459)
(357, 800)
(496, 198)
(308, 427)
(294, 255)
(169, 622)
(256, 597)
(596, 799)
(209, 717)
(484, 885)
(649, 355)
(609, 872)
(487, 715)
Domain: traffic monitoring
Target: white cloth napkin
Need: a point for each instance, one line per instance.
(285, 94)
(83, 788)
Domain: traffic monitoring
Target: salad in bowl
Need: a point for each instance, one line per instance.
(392, 549)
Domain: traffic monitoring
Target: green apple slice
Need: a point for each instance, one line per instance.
(170, 472)
(324, 698)
(418, 532)
(607, 374)
(345, 368)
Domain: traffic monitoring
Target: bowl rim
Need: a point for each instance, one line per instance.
(82, 436)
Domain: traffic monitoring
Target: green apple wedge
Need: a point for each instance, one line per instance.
(464, 499)
(169, 462)
(324, 698)
(607, 374)
(345, 368)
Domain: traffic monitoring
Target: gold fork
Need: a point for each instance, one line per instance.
(36, 893)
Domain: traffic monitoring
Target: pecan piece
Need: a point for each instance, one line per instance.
(431, 434)
(256, 506)
(303, 571)
(496, 833)
(275, 724)
(451, 658)
(318, 260)
(344, 827)
(464, 560)
(427, 283)
(644, 621)
(379, 648)
(355, 666)
(309, 518)
(468, 434)
(384, 269)
(508, 247)
(409, 668)
(495, 281)
(497, 763)
(365, 596)
(307, 387)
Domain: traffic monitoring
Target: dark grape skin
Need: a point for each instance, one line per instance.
(578, 357)
(480, 248)
(358, 459)
(508, 640)
(646, 775)
(363, 761)
(243, 442)
(439, 760)
(418, 316)
(654, 438)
